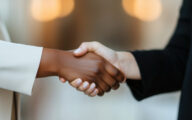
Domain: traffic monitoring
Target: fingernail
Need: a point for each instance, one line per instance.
(79, 81)
(94, 93)
(79, 50)
(61, 79)
(85, 84)
(92, 86)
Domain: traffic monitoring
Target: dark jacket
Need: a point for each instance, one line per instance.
(169, 69)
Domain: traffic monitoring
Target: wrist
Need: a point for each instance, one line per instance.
(121, 61)
(48, 64)
(128, 65)
(65, 60)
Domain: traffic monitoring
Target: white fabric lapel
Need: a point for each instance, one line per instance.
(6, 97)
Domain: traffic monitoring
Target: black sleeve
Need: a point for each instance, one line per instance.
(163, 70)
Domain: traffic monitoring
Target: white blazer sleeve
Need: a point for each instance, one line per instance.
(18, 66)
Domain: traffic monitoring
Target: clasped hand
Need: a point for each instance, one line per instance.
(84, 69)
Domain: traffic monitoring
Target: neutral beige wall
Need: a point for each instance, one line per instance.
(156, 34)
(113, 27)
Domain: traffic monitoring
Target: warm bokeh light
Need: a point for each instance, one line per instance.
(146, 10)
(67, 6)
(45, 10)
(128, 6)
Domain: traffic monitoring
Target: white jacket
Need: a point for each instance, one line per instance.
(18, 68)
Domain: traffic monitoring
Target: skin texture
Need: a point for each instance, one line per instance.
(124, 61)
(93, 70)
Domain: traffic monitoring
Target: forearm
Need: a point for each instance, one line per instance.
(161, 70)
(128, 65)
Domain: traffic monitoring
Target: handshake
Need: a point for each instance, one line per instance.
(92, 68)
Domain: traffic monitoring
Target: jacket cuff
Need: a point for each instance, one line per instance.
(142, 89)
(18, 66)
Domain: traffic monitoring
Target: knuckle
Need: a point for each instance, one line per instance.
(84, 44)
(113, 83)
(116, 86)
(121, 77)
(95, 43)
(108, 90)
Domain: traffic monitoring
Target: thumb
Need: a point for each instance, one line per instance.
(80, 51)
(86, 47)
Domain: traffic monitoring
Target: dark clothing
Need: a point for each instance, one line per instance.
(169, 69)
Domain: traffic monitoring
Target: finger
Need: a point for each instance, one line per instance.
(111, 69)
(94, 93)
(120, 77)
(87, 47)
(116, 86)
(76, 83)
(80, 51)
(100, 92)
(90, 89)
(104, 86)
(62, 80)
(117, 74)
(83, 86)
(109, 79)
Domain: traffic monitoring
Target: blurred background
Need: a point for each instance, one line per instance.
(65, 24)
